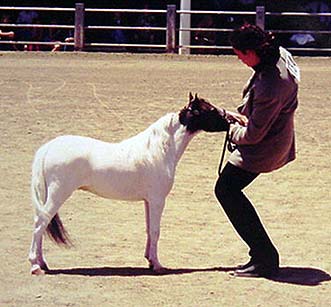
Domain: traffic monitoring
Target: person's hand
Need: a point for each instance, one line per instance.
(69, 39)
(10, 34)
(237, 118)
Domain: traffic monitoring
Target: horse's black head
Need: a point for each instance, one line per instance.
(202, 115)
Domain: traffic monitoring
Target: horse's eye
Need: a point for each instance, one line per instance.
(196, 112)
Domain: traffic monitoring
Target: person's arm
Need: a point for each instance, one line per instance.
(267, 106)
(233, 117)
(7, 34)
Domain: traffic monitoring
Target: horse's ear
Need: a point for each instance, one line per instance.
(196, 95)
(190, 96)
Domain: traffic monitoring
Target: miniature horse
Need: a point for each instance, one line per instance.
(139, 168)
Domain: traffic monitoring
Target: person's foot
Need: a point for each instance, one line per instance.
(257, 269)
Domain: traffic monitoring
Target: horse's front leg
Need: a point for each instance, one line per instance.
(148, 241)
(154, 209)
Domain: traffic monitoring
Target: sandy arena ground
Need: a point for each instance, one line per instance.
(114, 96)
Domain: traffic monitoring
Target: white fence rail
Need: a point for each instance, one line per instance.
(170, 43)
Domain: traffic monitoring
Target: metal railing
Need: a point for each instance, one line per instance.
(170, 44)
(36, 26)
(260, 16)
(80, 28)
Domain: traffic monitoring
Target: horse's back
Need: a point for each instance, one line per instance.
(106, 169)
(130, 170)
(66, 160)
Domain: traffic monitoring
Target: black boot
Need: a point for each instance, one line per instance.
(257, 270)
(266, 266)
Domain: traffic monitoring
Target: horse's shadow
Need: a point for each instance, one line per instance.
(292, 275)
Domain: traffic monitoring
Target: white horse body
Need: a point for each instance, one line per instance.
(134, 169)
(139, 168)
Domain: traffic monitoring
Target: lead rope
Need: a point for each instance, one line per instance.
(223, 151)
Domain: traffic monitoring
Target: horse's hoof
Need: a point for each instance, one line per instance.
(160, 270)
(36, 270)
(44, 267)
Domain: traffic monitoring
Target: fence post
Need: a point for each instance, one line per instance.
(260, 17)
(79, 26)
(184, 22)
(171, 28)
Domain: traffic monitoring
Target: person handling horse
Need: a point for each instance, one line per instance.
(262, 135)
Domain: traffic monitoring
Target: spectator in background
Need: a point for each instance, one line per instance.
(207, 38)
(234, 21)
(247, 5)
(27, 17)
(54, 35)
(320, 7)
(303, 40)
(26, 34)
(37, 35)
(60, 47)
(225, 5)
(312, 23)
(145, 20)
(69, 39)
(118, 36)
(324, 21)
(58, 36)
(7, 35)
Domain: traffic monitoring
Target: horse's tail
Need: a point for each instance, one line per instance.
(55, 228)
(57, 232)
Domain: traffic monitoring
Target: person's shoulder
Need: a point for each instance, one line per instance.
(268, 81)
(275, 79)
(269, 74)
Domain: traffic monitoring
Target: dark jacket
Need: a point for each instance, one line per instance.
(270, 99)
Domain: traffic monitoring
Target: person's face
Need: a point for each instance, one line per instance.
(248, 57)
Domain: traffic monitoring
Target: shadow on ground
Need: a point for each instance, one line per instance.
(291, 275)
(302, 276)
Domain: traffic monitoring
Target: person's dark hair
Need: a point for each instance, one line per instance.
(251, 37)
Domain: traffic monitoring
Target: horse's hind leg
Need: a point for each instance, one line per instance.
(38, 263)
(42, 218)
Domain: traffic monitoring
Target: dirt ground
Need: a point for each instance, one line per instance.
(114, 96)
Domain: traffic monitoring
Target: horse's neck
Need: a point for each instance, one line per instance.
(168, 130)
(182, 138)
(177, 136)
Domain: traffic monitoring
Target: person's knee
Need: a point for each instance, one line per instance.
(221, 190)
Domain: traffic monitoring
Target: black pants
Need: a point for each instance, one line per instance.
(242, 214)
